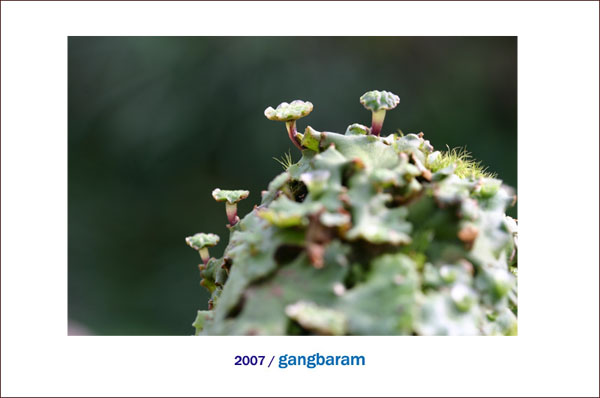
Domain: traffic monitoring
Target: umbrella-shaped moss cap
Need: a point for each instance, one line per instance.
(379, 102)
(202, 242)
(231, 197)
(289, 113)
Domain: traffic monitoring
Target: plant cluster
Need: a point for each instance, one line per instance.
(365, 235)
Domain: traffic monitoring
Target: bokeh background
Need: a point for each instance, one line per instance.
(155, 123)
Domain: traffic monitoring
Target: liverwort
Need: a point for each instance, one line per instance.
(379, 102)
(289, 113)
(202, 242)
(368, 233)
(231, 198)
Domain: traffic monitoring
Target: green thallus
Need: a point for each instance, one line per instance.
(359, 217)
(202, 242)
(231, 198)
(289, 113)
(315, 181)
(378, 102)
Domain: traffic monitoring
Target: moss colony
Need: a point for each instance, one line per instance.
(365, 235)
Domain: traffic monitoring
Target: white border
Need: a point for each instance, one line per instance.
(556, 352)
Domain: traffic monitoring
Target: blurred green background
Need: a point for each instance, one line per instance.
(155, 123)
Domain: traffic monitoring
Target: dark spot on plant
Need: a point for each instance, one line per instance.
(294, 329)
(298, 190)
(285, 254)
(237, 309)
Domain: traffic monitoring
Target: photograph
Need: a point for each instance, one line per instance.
(289, 185)
(300, 198)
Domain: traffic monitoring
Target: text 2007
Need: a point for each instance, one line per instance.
(249, 360)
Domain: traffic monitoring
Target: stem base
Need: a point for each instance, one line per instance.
(231, 210)
(377, 122)
(292, 132)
